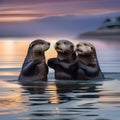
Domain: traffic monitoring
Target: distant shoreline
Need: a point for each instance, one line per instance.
(106, 34)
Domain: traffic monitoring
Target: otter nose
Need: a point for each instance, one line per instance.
(48, 43)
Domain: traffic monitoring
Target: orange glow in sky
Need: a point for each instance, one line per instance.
(16, 19)
(16, 50)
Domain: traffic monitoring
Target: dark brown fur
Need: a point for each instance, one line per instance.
(88, 66)
(65, 57)
(34, 66)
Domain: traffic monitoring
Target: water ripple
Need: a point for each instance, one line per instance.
(61, 100)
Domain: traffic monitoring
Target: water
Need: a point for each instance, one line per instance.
(59, 100)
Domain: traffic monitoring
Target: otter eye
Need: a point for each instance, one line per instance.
(57, 43)
(65, 42)
(32, 45)
(92, 48)
(78, 45)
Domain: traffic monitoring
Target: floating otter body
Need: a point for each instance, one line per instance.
(88, 66)
(34, 66)
(65, 57)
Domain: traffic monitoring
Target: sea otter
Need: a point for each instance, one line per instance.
(65, 57)
(34, 66)
(88, 66)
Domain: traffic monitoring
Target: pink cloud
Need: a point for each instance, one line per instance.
(43, 8)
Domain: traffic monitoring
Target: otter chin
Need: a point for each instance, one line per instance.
(65, 57)
(34, 66)
(88, 66)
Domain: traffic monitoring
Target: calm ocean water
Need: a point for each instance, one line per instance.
(59, 100)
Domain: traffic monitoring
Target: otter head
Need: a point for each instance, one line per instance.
(85, 49)
(64, 49)
(86, 53)
(38, 47)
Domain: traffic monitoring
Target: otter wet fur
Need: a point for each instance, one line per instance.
(34, 66)
(88, 66)
(65, 57)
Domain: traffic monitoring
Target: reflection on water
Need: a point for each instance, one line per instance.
(58, 100)
(10, 97)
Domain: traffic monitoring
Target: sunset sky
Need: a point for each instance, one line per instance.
(25, 18)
